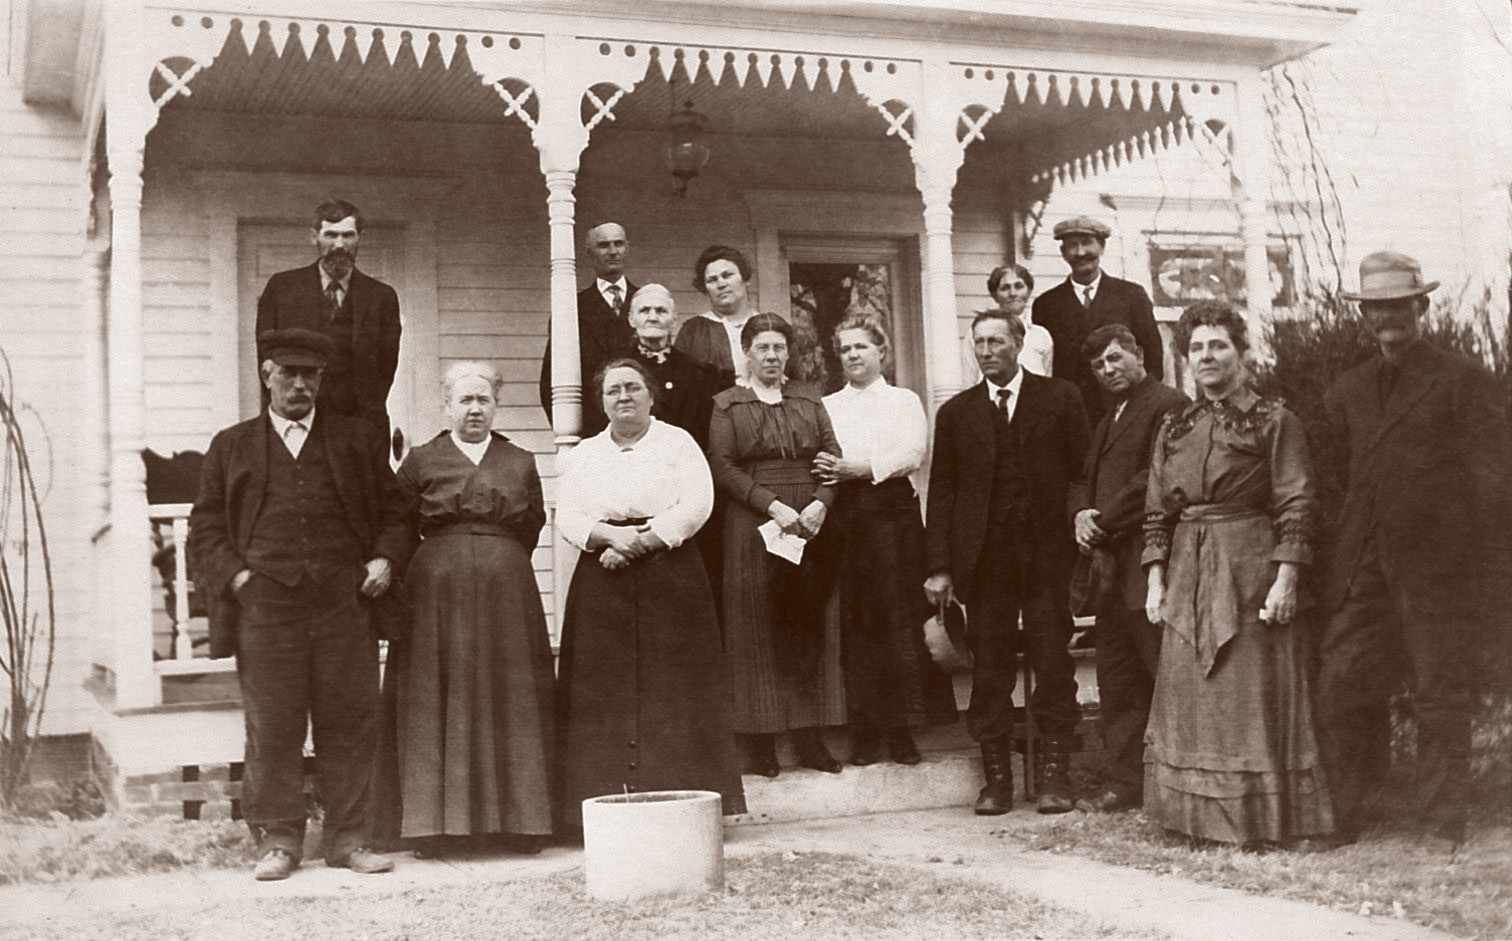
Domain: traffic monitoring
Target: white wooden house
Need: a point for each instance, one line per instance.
(160, 159)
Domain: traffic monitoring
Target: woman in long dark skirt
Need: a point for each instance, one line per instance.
(643, 699)
(781, 630)
(890, 681)
(468, 710)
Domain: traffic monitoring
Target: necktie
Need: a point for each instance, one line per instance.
(294, 437)
(1002, 396)
(1087, 296)
(333, 298)
(616, 298)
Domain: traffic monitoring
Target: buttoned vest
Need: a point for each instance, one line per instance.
(1010, 482)
(301, 528)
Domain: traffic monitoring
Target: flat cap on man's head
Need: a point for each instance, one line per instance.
(1081, 225)
(294, 346)
(1387, 276)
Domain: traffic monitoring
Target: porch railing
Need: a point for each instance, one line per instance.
(170, 526)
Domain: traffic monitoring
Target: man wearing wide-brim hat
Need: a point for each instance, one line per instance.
(1423, 456)
(1088, 299)
(296, 533)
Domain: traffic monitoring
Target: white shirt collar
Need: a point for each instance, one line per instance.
(473, 449)
(281, 424)
(1013, 386)
(326, 279)
(876, 385)
(604, 286)
(1095, 285)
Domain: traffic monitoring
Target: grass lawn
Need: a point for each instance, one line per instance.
(770, 896)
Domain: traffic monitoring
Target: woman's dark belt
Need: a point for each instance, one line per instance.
(630, 521)
(469, 529)
(1219, 512)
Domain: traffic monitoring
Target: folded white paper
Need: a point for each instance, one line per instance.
(781, 544)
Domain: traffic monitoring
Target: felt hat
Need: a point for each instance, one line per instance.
(1386, 276)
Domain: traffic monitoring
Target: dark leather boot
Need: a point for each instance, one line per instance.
(1054, 774)
(812, 753)
(900, 745)
(866, 745)
(761, 755)
(997, 796)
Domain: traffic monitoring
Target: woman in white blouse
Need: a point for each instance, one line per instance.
(890, 681)
(1010, 286)
(643, 701)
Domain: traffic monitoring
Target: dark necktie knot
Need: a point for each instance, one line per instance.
(616, 298)
(333, 298)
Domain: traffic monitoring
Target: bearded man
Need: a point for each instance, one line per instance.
(360, 315)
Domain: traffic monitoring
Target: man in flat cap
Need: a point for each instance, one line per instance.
(360, 315)
(297, 530)
(1089, 299)
(1422, 533)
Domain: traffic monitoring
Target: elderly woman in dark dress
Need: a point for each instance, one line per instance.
(643, 699)
(1231, 754)
(469, 691)
(890, 681)
(781, 633)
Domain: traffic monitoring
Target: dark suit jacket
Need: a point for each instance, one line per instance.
(602, 335)
(294, 299)
(1428, 470)
(233, 483)
(1053, 430)
(685, 392)
(1116, 475)
(1059, 311)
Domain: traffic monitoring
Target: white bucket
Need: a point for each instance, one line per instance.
(658, 843)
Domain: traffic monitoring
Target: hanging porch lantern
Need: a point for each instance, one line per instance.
(687, 147)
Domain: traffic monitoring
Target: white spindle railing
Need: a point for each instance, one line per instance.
(177, 516)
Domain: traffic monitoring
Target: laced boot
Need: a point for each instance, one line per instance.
(1054, 778)
(997, 796)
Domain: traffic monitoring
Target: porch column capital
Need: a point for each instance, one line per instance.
(937, 156)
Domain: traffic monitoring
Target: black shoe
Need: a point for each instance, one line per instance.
(900, 745)
(997, 796)
(866, 745)
(525, 844)
(761, 755)
(812, 753)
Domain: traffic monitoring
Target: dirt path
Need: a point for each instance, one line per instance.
(949, 842)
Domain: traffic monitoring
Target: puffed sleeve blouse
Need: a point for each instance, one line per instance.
(1227, 456)
(663, 477)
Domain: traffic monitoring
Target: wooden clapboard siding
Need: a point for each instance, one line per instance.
(43, 211)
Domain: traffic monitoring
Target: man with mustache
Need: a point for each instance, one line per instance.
(604, 330)
(1088, 299)
(296, 533)
(1419, 556)
(360, 315)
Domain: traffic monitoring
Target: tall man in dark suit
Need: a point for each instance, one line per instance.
(1419, 553)
(603, 329)
(1087, 300)
(297, 528)
(1107, 511)
(997, 536)
(684, 388)
(360, 315)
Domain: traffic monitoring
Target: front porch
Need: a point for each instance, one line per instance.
(219, 131)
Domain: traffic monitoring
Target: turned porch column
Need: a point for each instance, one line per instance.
(1249, 158)
(937, 157)
(127, 609)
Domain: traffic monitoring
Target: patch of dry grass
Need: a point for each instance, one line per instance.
(116, 845)
(770, 896)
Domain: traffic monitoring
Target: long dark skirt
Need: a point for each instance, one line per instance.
(468, 730)
(643, 704)
(784, 674)
(890, 679)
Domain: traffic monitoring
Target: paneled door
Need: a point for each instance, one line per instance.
(264, 249)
